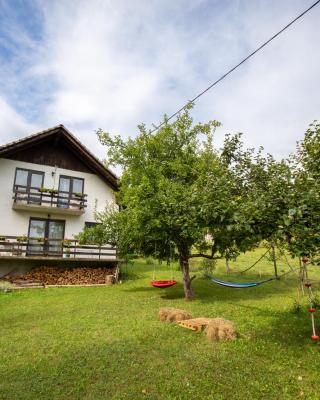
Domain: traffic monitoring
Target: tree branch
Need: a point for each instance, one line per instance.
(205, 256)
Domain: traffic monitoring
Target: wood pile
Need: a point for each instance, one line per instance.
(67, 276)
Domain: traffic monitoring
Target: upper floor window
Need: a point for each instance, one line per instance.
(27, 179)
(70, 184)
(69, 188)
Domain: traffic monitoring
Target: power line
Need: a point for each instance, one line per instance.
(238, 65)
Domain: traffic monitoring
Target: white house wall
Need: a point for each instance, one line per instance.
(16, 222)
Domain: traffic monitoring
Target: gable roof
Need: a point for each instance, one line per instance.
(61, 132)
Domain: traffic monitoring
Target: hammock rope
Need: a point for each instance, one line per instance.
(162, 284)
(254, 264)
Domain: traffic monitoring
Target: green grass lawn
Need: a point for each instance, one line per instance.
(106, 343)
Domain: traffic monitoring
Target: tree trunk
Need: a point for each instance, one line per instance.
(227, 266)
(184, 265)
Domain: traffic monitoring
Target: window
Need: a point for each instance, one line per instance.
(68, 185)
(28, 180)
(91, 224)
(46, 236)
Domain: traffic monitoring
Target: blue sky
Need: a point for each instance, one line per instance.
(114, 64)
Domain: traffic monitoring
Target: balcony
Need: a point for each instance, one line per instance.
(51, 201)
(31, 248)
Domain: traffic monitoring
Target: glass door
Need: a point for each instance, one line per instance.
(21, 180)
(64, 192)
(55, 237)
(37, 231)
(46, 237)
(36, 181)
(70, 191)
(30, 182)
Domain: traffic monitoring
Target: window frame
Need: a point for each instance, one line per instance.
(71, 178)
(30, 171)
(89, 224)
(45, 245)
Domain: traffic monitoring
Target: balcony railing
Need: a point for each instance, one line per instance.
(25, 197)
(23, 246)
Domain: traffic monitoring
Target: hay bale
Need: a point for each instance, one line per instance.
(220, 329)
(169, 314)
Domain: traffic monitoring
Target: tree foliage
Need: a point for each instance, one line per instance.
(177, 189)
(302, 224)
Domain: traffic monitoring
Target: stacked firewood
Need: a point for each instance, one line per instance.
(67, 276)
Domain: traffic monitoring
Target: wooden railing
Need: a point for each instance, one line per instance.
(24, 246)
(53, 198)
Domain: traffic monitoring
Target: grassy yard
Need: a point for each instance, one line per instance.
(106, 343)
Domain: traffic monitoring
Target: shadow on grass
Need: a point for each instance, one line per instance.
(208, 292)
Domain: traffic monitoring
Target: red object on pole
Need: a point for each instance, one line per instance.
(305, 260)
(312, 310)
(315, 337)
(308, 285)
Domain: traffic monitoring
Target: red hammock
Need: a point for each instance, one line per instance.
(163, 284)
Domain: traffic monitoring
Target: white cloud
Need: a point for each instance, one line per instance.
(114, 64)
(12, 125)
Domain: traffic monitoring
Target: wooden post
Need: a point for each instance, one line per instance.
(274, 261)
(116, 274)
(301, 277)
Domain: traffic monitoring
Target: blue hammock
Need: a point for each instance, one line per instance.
(238, 285)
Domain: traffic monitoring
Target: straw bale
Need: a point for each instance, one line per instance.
(220, 329)
(169, 314)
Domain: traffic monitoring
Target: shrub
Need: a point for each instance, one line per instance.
(149, 261)
(208, 266)
(296, 307)
(5, 286)
(316, 300)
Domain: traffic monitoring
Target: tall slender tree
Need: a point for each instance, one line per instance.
(301, 226)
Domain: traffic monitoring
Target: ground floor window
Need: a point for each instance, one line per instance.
(46, 236)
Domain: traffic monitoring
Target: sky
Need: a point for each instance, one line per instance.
(113, 64)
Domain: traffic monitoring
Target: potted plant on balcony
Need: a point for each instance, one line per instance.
(53, 191)
(79, 195)
(66, 246)
(43, 190)
(22, 238)
(3, 246)
(17, 251)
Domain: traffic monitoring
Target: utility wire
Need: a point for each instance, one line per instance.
(238, 65)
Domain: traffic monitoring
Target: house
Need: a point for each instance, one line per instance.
(51, 185)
